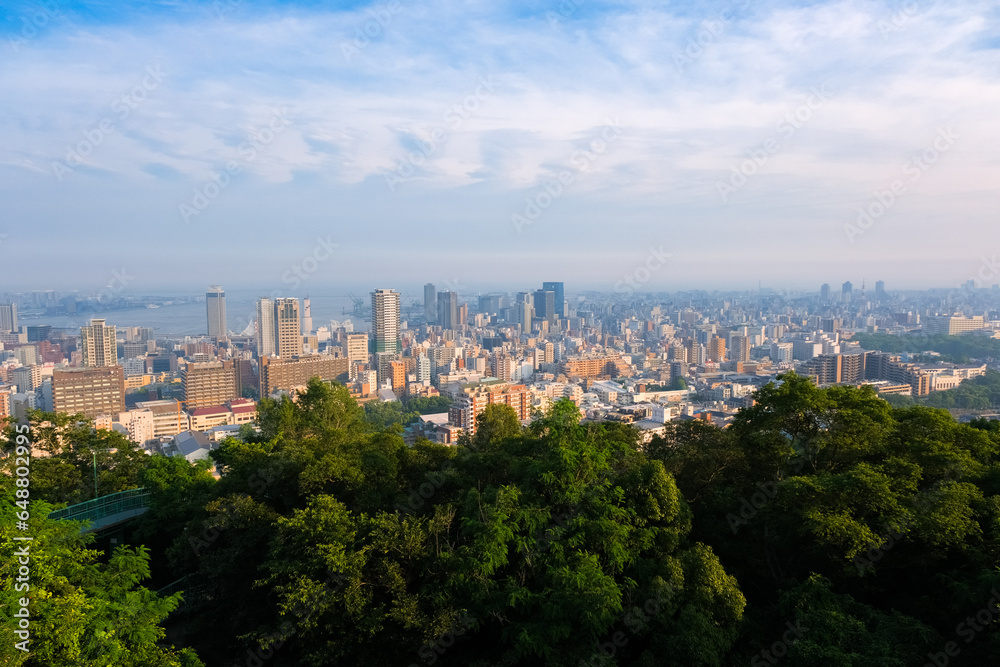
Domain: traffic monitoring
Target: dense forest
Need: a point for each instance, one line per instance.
(824, 527)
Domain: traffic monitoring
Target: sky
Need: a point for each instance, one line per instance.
(323, 147)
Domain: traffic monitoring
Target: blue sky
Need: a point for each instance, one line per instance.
(497, 144)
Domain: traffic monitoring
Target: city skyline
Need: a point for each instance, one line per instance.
(860, 150)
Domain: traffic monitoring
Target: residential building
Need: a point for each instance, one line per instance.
(287, 328)
(266, 345)
(385, 327)
(98, 344)
(8, 317)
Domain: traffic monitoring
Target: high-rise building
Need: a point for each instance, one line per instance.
(560, 297)
(287, 328)
(740, 346)
(8, 317)
(545, 304)
(89, 391)
(215, 306)
(385, 322)
(209, 384)
(265, 328)
(717, 349)
(846, 291)
(307, 318)
(98, 345)
(430, 304)
(824, 292)
(879, 289)
(447, 310)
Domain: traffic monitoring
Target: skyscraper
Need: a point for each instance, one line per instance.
(430, 304)
(846, 291)
(287, 328)
(98, 345)
(524, 311)
(879, 289)
(8, 317)
(307, 319)
(545, 304)
(215, 306)
(560, 297)
(265, 328)
(824, 292)
(447, 310)
(385, 322)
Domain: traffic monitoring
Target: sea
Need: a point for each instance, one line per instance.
(190, 318)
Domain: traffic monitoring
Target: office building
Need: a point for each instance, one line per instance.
(824, 293)
(293, 373)
(447, 310)
(39, 332)
(89, 391)
(385, 328)
(266, 345)
(952, 325)
(545, 305)
(846, 291)
(215, 307)
(307, 318)
(430, 304)
(559, 295)
(209, 384)
(8, 317)
(879, 289)
(98, 345)
(287, 328)
(168, 418)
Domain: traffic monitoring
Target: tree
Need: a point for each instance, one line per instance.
(82, 611)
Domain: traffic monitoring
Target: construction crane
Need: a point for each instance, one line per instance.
(359, 308)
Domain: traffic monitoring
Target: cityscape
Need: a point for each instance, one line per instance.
(541, 333)
(644, 359)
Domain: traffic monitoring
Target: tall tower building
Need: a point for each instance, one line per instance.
(824, 292)
(879, 289)
(447, 310)
(307, 318)
(287, 328)
(430, 304)
(740, 346)
(8, 317)
(385, 322)
(545, 304)
(560, 297)
(98, 345)
(215, 306)
(266, 345)
(846, 291)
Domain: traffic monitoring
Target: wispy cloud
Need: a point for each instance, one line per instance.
(896, 75)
